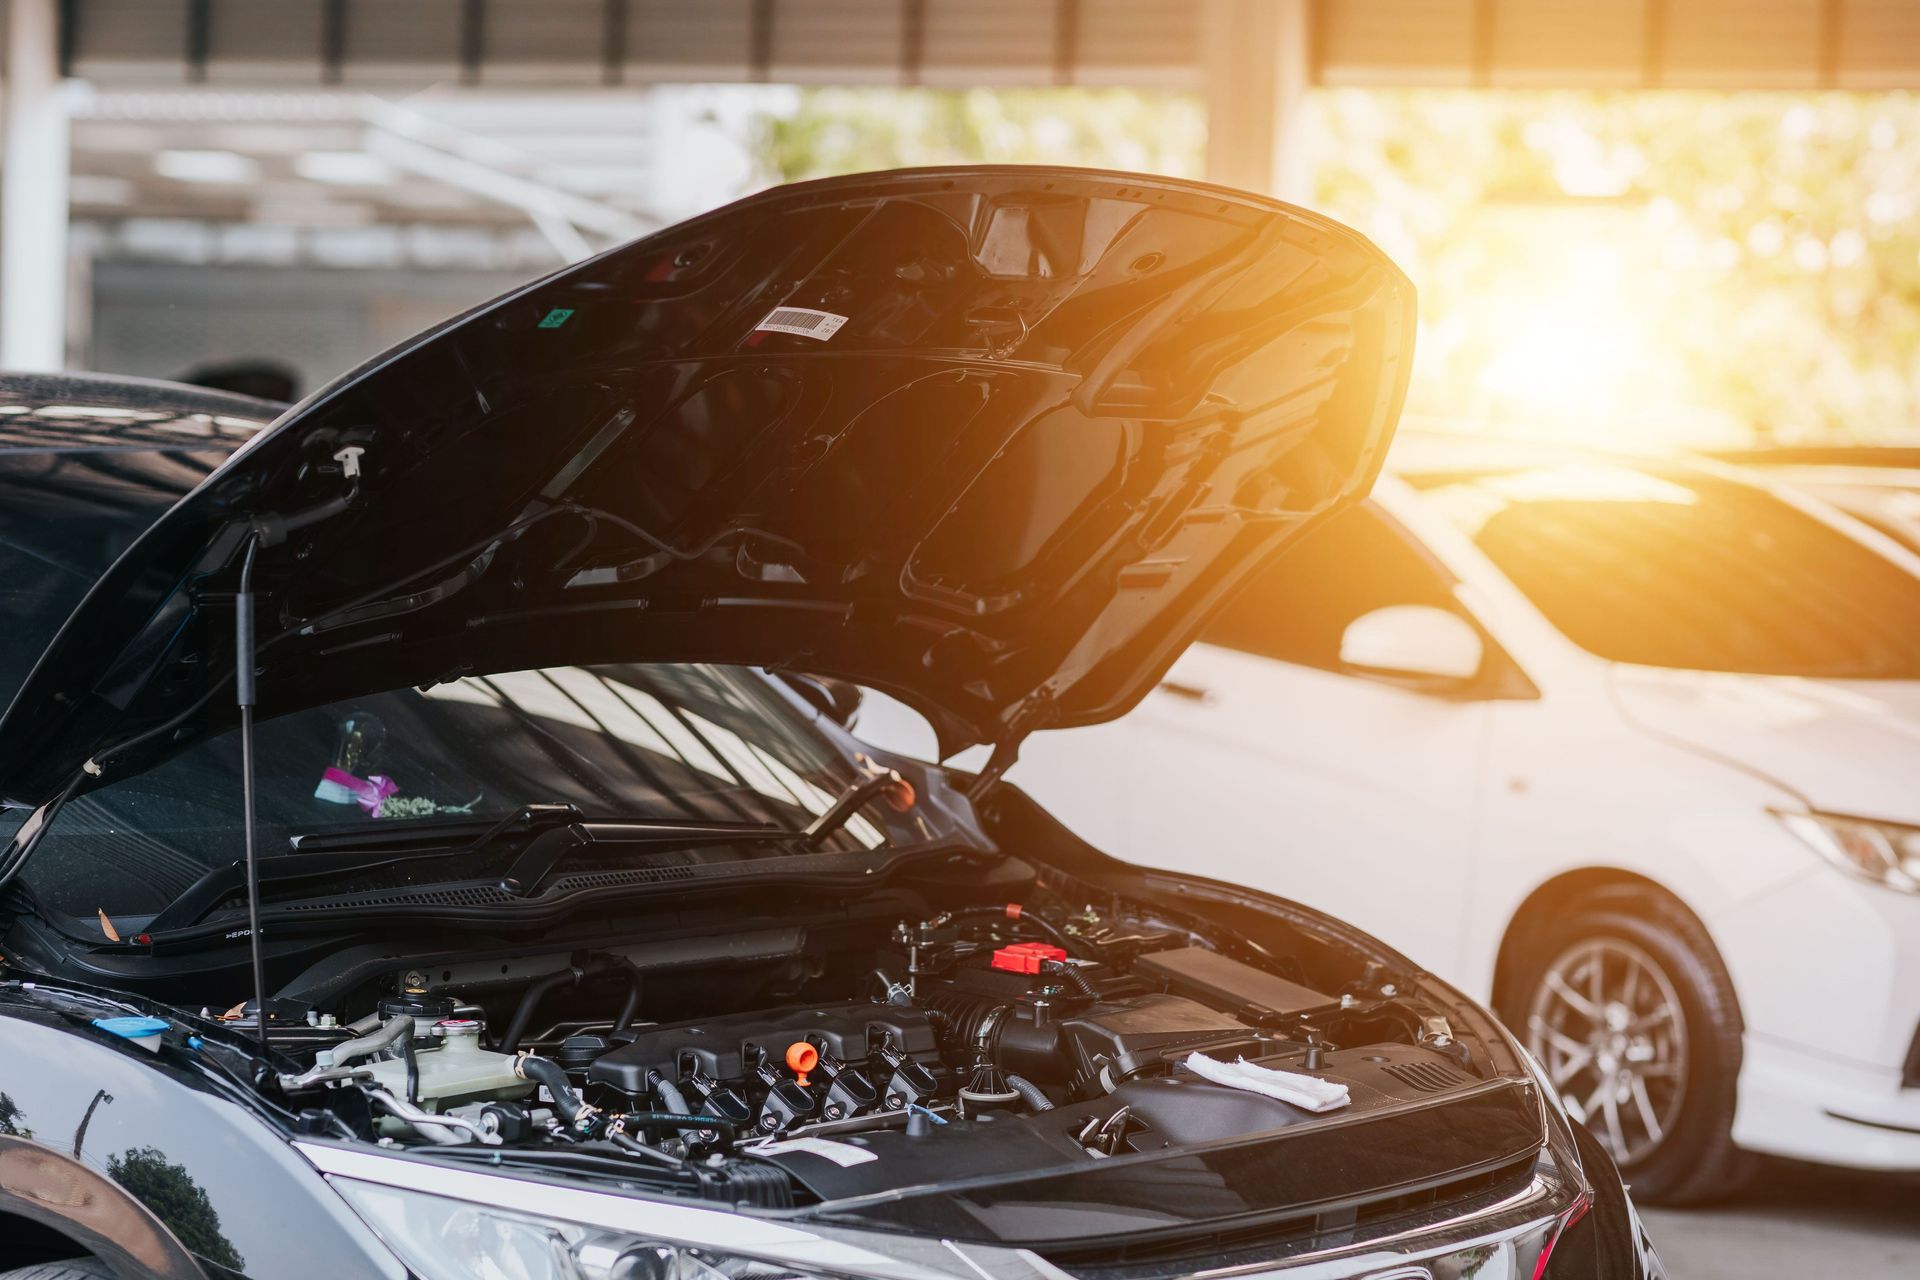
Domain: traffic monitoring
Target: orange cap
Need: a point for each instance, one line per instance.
(802, 1058)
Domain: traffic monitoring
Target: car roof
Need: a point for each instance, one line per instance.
(1421, 452)
(81, 412)
(1424, 457)
(1862, 456)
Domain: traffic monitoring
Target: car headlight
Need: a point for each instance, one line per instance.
(439, 1238)
(1886, 853)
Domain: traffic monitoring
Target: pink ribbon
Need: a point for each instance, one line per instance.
(339, 787)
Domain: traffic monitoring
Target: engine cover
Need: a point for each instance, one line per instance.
(728, 1049)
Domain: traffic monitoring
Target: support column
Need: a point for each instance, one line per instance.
(1257, 63)
(33, 193)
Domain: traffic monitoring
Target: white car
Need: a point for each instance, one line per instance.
(1630, 748)
(1877, 485)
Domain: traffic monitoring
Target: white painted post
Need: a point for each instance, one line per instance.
(33, 193)
(1256, 59)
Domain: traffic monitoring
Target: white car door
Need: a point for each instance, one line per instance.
(1266, 759)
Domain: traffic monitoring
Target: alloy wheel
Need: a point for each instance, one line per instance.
(1608, 1026)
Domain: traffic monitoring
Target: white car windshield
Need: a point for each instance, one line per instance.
(1673, 568)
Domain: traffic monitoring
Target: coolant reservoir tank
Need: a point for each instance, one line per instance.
(457, 1072)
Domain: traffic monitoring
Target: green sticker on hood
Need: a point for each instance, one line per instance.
(556, 317)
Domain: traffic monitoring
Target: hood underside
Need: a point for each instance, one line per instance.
(992, 440)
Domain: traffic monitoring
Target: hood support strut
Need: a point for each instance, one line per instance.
(270, 530)
(243, 673)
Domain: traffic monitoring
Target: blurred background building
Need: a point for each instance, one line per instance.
(1667, 220)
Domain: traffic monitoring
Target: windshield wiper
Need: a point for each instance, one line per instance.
(550, 848)
(558, 831)
(328, 855)
(531, 817)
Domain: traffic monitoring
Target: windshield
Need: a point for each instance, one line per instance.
(1685, 570)
(673, 741)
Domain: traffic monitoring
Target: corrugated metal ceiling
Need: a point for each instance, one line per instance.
(1786, 44)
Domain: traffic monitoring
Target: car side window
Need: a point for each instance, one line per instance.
(1295, 608)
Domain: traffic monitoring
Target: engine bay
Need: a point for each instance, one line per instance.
(848, 1057)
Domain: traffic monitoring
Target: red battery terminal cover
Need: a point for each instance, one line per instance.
(1027, 957)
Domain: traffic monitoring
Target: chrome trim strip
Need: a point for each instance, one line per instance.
(1492, 1227)
(722, 1230)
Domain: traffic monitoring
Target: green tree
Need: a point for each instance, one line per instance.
(12, 1119)
(836, 131)
(177, 1200)
(1767, 249)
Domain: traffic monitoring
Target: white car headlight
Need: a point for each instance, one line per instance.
(1886, 853)
(444, 1239)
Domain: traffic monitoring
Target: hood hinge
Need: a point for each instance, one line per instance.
(1005, 752)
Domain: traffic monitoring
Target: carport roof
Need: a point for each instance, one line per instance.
(1752, 44)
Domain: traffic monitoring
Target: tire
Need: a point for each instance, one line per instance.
(71, 1269)
(1668, 1023)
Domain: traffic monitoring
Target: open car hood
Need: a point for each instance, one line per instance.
(991, 440)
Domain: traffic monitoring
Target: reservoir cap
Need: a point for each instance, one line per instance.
(145, 1032)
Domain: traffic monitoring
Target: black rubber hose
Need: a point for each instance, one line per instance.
(571, 976)
(1041, 924)
(631, 1008)
(1030, 1091)
(530, 1001)
(672, 1100)
(1071, 972)
(566, 1100)
(674, 1120)
(634, 1146)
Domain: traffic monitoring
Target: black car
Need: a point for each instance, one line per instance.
(551, 922)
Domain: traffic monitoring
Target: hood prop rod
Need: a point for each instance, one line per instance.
(243, 694)
(270, 530)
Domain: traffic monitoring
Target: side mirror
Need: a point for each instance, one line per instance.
(837, 700)
(1416, 642)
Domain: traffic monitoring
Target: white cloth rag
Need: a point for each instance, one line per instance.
(1310, 1092)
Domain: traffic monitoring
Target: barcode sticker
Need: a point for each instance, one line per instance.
(804, 321)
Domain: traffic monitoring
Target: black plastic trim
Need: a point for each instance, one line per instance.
(1873, 1124)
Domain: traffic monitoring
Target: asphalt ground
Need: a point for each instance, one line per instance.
(1796, 1220)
